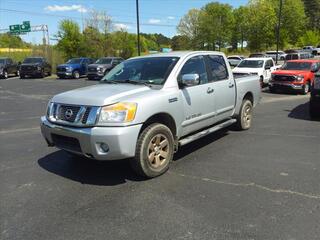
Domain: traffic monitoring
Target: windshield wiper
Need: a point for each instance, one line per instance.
(109, 81)
(135, 82)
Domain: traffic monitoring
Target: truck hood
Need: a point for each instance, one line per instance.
(246, 70)
(99, 95)
(73, 65)
(100, 65)
(30, 64)
(290, 72)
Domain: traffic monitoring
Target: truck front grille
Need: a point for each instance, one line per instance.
(285, 78)
(72, 114)
(61, 69)
(92, 69)
(27, 68)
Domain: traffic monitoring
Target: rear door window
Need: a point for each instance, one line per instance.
(217, 68)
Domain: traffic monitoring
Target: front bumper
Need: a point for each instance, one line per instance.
(286, 85)
(121, 141)
(64, 74)
(95, 75)
(30, 72)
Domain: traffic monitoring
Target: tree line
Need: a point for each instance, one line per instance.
(254, 25)
(215, 26)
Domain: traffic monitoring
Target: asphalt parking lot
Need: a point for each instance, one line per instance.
(258, 184)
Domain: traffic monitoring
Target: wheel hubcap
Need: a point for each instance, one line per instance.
(158, 150)
(306, 88)
(247, 115)
(5, 74)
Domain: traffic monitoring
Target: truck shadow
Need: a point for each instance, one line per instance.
(300, 112)
(88, 171)
(109, 173)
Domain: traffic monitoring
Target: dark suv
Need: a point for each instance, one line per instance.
(103, 65)
(315, 97)
(35, 67)
(8, 67)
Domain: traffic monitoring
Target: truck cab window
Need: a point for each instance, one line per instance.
(195, 65)
(218, 68)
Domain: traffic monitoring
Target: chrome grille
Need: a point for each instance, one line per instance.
(72, 114)
(68, 113)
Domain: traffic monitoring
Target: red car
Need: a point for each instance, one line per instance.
(295, 75)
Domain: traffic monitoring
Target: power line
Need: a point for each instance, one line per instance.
(79, 18)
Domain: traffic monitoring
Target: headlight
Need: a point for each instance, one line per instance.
(99, 68)
(118, 113)
(300, 78)
(68, 68)
(39, 68)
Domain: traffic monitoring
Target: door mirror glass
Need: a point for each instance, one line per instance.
(190, 79)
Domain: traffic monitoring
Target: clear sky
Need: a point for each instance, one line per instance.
(156, 16)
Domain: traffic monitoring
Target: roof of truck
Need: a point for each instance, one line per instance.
(180, 54)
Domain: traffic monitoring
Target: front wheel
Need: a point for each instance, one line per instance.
(306, 88)
(244, 118)
(5, 74)
(154, 151)
(76, 74)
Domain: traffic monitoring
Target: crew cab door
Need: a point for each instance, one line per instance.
(268, 69)
(198, 100)
(223, 85)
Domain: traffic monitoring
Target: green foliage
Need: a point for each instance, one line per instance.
(11, 41)
(312, 9)
(310, 38)
(216, 22)
(70, 41)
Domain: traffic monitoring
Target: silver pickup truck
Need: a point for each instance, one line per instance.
(147, 107)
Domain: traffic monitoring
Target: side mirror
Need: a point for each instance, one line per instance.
(190, 79)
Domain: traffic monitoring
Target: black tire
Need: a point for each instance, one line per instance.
(145, 162)
(244, 118)
(76, 74)
(261, 82)
(42, 74)
(49, 74)
(5, 74)
(22, 76)
(272, 89)
(314, 110)
(305, 89)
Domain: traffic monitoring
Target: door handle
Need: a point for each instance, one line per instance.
(210, 90)
(231, 85)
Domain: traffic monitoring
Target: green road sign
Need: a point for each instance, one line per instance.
(20, 28)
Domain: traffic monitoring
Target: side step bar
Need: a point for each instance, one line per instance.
(206, 132)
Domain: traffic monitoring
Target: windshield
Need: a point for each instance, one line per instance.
(152, 70)
(2, 61)
(251, 64)
(32, 60)
(104, 61)
(297, 66)
(74, 60)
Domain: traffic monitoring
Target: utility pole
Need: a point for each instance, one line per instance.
(278, 30)
(138, 26)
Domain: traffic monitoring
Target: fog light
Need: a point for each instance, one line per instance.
(104, 147)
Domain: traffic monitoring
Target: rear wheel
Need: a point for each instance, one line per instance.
(244, 118)
(76, 74)
(154, 151)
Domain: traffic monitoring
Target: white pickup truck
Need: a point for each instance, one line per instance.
(263, 67)
(147, 107)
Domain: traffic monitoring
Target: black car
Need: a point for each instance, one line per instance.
(103, 65)
(35, 67)
(8, 67)
(314, 104)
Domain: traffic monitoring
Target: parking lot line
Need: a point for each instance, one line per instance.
(19, 130)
